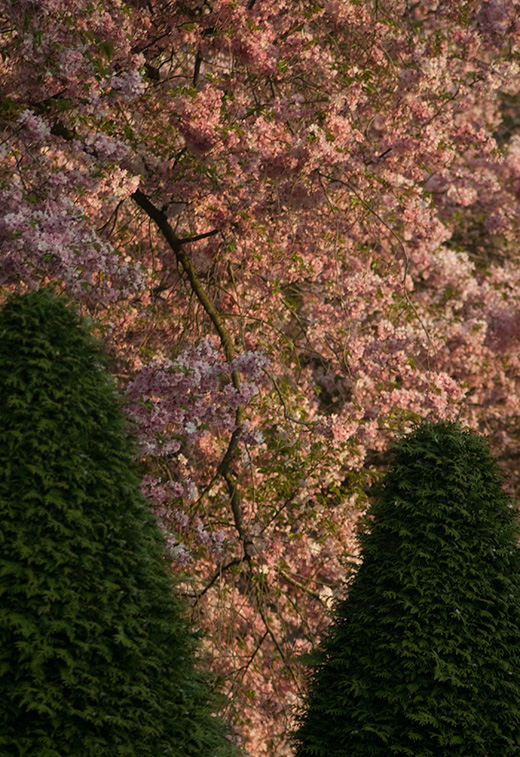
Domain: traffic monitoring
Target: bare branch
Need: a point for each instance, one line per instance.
(197, 237)
(308, 425)
(222, 569)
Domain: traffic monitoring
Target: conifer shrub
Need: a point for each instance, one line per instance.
(423, 656)
(96, 657)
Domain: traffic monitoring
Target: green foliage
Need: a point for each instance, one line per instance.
(423, 657)
(96, 657)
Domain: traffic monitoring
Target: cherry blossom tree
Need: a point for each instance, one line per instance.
(294, 224)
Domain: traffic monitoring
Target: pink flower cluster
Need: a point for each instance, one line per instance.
(36, 129)
(175, 402)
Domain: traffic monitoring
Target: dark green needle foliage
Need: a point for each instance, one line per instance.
(423, 657)
(96, 657)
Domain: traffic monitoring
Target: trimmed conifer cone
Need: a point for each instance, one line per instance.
(96, 657)
(423, 656)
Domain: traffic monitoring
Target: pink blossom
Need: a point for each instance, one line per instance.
(129, 85)
(37, 129)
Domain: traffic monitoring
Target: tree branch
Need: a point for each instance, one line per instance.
(222, 569)
(196, 238)
(176, 243)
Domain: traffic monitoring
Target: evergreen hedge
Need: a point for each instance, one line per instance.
(423, 656)
(96, 657)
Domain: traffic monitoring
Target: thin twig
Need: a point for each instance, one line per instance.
(308, 424)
